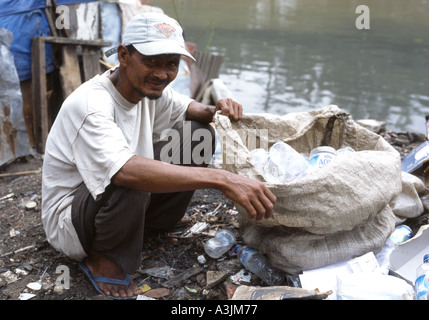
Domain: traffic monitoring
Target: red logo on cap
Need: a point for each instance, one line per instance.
(166, 29)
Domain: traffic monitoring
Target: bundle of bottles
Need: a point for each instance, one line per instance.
(282, 163)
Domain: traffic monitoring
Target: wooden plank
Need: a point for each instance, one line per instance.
(201, 90)
(10, 174)
(91, 64)
(40, 104)
(28, 110)
(61, 40)
(215, 67)
(208, 66)
(69, 71)
(48, 14)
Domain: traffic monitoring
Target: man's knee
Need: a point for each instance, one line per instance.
(128, 203)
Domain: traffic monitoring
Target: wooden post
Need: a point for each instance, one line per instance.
(40, 103)
(69, 70)
(91, 65)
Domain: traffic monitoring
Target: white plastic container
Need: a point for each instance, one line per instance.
(321, 156)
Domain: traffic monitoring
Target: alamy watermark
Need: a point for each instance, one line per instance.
(178, 150)
(363, 20)
(63, 19)
(63, 280)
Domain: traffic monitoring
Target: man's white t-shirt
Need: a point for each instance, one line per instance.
(94, 134)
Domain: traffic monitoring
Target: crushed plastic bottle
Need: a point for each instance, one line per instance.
(259, 158)
(421, 284)
(219, 244)
(259, 265)
(285, 164)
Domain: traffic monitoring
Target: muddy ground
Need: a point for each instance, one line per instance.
(26, 257)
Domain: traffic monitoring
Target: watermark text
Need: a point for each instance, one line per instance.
(362, 21)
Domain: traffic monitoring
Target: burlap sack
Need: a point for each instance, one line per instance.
(334, 214)
(293, 250)
(349, 191)
(408, 203)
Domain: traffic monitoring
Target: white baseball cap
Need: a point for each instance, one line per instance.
(153, 33)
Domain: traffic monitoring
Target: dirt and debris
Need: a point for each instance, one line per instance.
(174, 265)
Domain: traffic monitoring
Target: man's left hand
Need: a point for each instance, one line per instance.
(230, 108)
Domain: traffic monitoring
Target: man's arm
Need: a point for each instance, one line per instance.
(156, 176)
(204, 113)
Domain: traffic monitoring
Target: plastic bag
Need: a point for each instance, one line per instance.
(370, 286)
(14, 140)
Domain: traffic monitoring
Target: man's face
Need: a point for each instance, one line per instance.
(149, 75)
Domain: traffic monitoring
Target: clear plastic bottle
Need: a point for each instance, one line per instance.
(259, 265)
(284, 164)
(221, 243)
(422, 280)
(259, 158)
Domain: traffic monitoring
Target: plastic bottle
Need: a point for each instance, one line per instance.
(259, 158)
(422, 280)
(284, 164)
(259, 265)
(321, 156)
(401, 234)
(221, 243)
(217, 156)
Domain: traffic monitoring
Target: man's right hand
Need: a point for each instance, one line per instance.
(252, 195)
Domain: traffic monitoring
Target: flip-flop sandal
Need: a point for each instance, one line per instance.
(95, 279)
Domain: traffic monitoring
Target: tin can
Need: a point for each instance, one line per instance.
(401, 234)
(321, 156)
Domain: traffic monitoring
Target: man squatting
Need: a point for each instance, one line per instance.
(103, 182)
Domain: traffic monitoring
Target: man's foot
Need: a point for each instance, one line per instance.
(103, 267)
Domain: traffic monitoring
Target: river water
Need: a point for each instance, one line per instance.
(297, 55)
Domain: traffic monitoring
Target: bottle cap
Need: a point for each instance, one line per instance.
(236, 248)
(324, 149)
